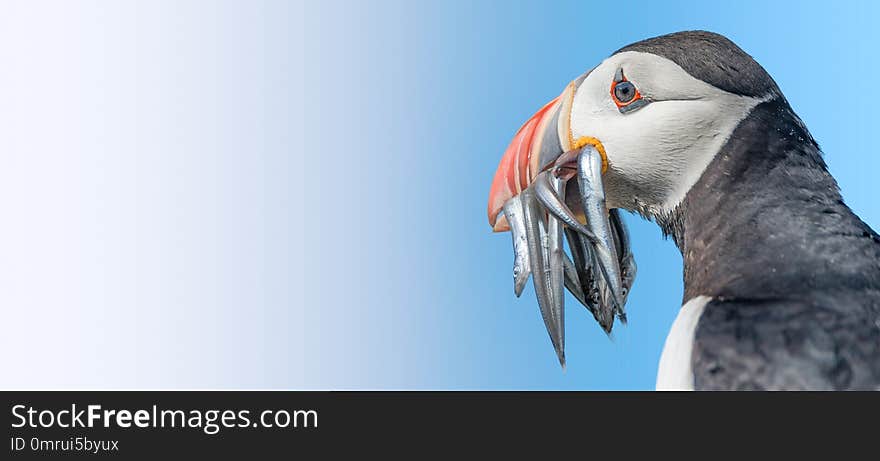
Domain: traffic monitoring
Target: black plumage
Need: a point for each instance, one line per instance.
(793, 273)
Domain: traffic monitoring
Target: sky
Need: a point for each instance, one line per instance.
(202, 194)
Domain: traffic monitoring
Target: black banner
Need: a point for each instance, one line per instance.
(244, 424)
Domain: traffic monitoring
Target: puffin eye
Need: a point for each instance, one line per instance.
(625, 95)
(624, 92)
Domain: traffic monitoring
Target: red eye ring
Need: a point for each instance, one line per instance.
(614, 96)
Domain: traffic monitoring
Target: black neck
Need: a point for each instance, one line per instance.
(766, 219)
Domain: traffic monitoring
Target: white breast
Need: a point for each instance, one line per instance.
(676, 372)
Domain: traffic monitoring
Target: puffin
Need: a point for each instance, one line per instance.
(781, 278)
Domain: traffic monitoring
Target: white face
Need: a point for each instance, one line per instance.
(658, 151)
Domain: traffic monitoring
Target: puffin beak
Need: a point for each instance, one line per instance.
(514, 171)
(529, 198)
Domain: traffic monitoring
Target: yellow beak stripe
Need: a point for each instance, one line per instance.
(584, 140)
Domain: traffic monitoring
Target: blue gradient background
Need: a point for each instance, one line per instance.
(209, 194)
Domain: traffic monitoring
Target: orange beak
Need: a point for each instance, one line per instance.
(514, 172)
(546, 134)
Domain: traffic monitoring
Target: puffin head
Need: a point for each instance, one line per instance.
(661, 109)
(636, 132)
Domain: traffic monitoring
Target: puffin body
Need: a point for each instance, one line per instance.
(781, 278)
